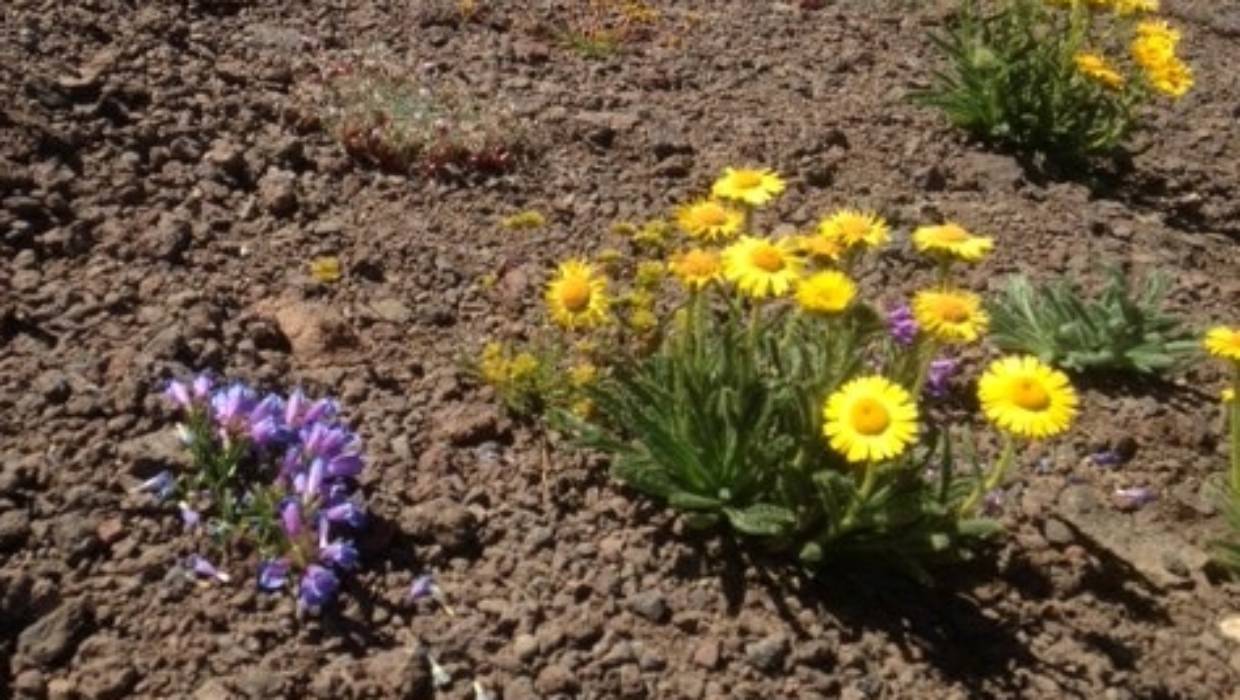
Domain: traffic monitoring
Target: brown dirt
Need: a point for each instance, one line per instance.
(158, 208)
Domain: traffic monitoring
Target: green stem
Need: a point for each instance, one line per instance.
(993, 479)
(1234, 413)
(868, 482)
(925, 355)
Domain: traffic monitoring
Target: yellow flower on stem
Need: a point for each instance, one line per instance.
(827, 292)
(749, 186)
(1224, 343)
(577, 296)
(855, 228)
(870, 419)
(953, 241)
(950, 316)
(583, 374)
(696, 268)
(710, 220)
(1099, 70)
(1172, 78)
(1026, 398)
(760, 268)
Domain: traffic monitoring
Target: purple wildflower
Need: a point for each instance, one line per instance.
(992, 503)
(1106, 458)
(320, 410)
(190, 517)
(324, 441)
(201, 387)
(939, 376)
(179, 394)
(901, 325)
(346, 512)
(199, 565)
(341, 554)
(294, 409)
(422, 587)
(1134, 498)
(318, 587)
(162, 485)
(273, 574)
(232, 407)
(290, 518)
(345, 466)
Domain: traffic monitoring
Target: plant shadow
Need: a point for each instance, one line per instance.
(954, 623)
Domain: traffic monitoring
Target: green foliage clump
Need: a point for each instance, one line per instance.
(385, 117)
(1119, 331)
(724, 422)
(1015, 76)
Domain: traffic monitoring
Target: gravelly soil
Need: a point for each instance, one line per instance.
(159, 201)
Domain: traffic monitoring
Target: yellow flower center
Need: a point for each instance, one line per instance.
(952, 310)
(869, 416)
(748, 179)
(1030, 395)
(767, 258)
(951, 233)
(1232, 340)
(575, 294)
(711, 215)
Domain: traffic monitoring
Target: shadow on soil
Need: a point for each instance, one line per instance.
(970, 641)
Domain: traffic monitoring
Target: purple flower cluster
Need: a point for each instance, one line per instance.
(902, 326)
(939, 376)
(313, 460)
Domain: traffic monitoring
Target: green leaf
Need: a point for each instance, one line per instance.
(762, 519)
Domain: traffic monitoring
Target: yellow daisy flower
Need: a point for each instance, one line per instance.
(819, 248)
(750, 186)
(853, 228)
(870, 419)
(710, 220)
(696, 268)
(1099, 70)
(1172, 78)
(577, 296)
(827, 292)
(1224, 343)
(1155, 44)
(1229, 395)
(1027, 398)
(760, 268)
(952, 240)
(952, 316)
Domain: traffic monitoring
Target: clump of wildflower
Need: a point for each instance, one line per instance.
(287, 452)
(1154, 49)
(524, 221)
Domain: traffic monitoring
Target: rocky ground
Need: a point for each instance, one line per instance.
(161, 196)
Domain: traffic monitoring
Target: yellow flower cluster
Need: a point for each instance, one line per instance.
(1154, 49)
(501, 370)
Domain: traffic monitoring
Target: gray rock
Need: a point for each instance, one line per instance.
(707, 654)
(30, 683)
(392, 310)
(525, 646)
(1056, 532)
(169, 240)
(651, 605)
(53, 637)
(555, 680)
(444, 522)
(14, 529)
(397, 673)
(767, 654)
(277, 193)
